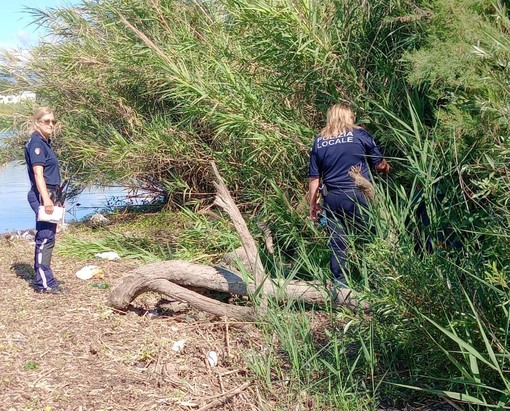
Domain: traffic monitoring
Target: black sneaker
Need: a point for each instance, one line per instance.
(339, 283)
(56, 290)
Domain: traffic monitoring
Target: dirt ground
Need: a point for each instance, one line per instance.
(71, 352)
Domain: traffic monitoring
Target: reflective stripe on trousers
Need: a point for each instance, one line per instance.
(44, 244)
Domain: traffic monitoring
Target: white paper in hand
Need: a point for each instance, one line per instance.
(56, 217)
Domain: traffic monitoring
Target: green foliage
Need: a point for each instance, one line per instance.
(144, 237)
(245, 83)
(30, 365)
(436, 262)
(432, 267)
(311, 357)
(468, 77)
(157, 237)
(239, 82)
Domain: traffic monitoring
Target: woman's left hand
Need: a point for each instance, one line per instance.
(383, 167)
(315, 210)
(49, 207)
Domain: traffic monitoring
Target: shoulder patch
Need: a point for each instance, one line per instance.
(37, 151)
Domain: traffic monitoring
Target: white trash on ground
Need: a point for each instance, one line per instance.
(108, 255)
(212, 358)
(89, 271)
(178, 345)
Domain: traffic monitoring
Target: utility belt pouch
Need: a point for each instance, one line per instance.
(323, 189)
(55, 195)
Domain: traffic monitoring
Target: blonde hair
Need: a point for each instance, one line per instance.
(38, 114)
(339, 120)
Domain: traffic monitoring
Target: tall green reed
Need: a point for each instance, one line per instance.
(243, 83)
(438, 318)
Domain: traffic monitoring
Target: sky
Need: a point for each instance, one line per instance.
(15, 28)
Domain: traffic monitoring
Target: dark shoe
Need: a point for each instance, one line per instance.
(56, 290)
(339, 283)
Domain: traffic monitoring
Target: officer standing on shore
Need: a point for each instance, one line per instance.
(341, 145)
(44, 174)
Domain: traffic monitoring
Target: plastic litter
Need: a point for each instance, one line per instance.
(108, 255)
(178, 345)
(152, 313)
(212, 358)
(89, 271)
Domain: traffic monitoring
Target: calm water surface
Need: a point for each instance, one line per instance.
(16, 214)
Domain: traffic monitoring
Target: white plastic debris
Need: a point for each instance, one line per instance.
(27, 234)
(152, 313)
(108, 255)
(188, 404)
(178, 345)
(89, 271)
(212, 358)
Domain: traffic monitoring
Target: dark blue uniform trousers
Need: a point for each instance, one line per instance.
(44, 243)
(343, 213)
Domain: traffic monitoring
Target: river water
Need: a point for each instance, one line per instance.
(16, 214)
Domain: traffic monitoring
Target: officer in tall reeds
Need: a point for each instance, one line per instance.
(340, 146)
(44, 174)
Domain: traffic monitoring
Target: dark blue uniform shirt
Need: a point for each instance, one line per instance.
(38, 152)
(332, 158)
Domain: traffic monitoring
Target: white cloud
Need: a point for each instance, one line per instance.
(6, 46)
(24, 37)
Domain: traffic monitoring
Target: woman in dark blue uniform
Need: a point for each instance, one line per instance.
(341, 145)
(44, 174)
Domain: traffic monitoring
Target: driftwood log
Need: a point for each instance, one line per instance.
(254, 266)
(175, 278)
(182, 280)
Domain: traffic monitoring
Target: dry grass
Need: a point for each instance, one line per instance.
(71, 352)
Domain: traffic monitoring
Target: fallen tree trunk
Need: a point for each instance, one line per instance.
(225, 201)
(174, 278)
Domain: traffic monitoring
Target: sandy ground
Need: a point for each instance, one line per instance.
(71, 352)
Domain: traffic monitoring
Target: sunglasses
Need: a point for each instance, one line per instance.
(48, 122)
